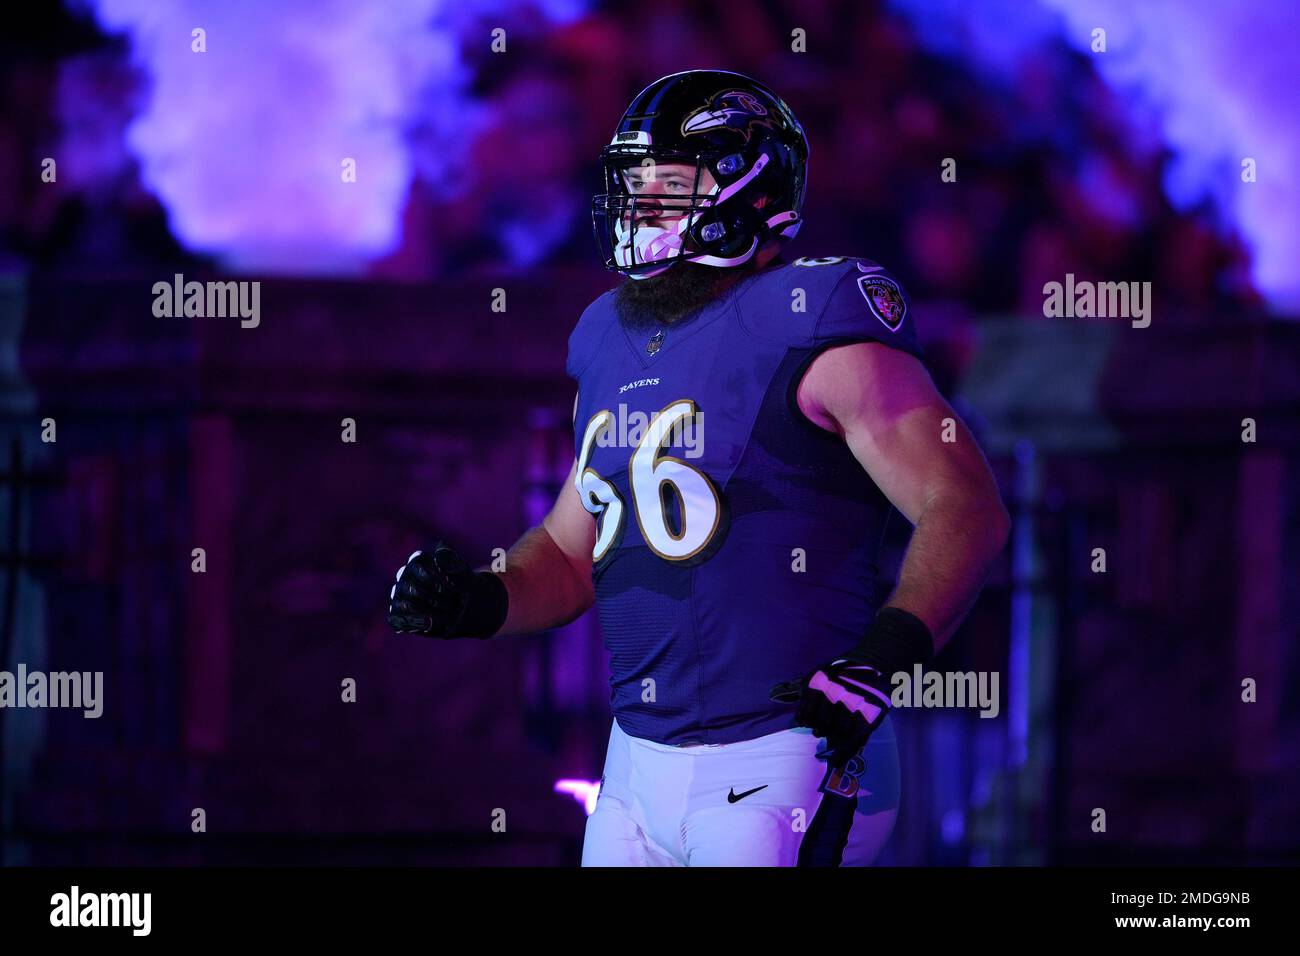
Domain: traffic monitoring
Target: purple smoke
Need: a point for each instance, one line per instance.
(1215, 79)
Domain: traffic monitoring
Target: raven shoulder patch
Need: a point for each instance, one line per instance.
(884, 299)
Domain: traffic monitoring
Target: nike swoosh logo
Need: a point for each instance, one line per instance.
(733, 797)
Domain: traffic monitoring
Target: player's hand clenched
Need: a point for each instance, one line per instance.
(437, 594)
(843, 701)
(846, 699)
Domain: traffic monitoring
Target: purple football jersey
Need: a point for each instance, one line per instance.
(736, 540)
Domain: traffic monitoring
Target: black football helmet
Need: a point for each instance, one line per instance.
(734, 128)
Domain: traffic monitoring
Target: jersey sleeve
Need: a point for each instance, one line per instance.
(866, 303)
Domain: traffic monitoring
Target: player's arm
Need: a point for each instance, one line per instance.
(548, 571)
(883, 403)
(546, 581)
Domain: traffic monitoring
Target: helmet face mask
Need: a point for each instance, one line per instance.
(651, 211)
(705, 167)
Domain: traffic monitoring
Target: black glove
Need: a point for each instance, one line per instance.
(845, 700)
(438, 595)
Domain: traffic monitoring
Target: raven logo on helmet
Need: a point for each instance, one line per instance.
(735, 110)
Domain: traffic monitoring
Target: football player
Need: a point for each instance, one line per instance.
(743, 427)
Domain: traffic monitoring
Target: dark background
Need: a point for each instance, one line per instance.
(1120, 690)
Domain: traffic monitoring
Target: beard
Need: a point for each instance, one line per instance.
(674, 296)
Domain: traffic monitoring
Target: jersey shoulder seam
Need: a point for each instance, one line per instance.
(830, 297)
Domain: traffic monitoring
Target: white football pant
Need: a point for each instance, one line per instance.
(740, 804)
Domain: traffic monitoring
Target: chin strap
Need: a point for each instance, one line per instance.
(652, 273)
(720, 262)
(785, 217)
(779, 220)
(743, 181)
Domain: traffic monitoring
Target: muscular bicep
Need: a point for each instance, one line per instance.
(570, 525)
(884, 404)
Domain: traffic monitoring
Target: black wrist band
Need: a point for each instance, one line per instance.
(897, 640)
(485, 610)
